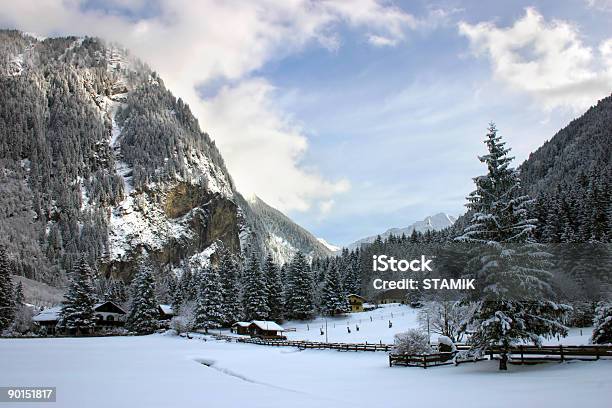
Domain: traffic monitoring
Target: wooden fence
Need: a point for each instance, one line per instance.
(301, 344)
(518, 355)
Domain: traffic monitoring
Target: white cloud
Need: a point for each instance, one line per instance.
(380, 41)
(603, 5)
(546, 59)
(190, 43)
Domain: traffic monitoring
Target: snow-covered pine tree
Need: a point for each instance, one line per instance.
(299, 296)
(515, 302)
(230, 291)
(255, 294)
(602, 330)
(144, 311)
(77, 314)
(19, 299)
(7, 303)
(333, 298)
(275, 289)
(177, 299)
(208, 312)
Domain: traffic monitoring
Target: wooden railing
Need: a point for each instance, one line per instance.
(302, 344)
(523, 354)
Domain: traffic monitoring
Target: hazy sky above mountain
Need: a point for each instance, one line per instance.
(356, 116)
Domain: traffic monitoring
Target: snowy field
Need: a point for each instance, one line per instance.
(169, 371)
(377, 329)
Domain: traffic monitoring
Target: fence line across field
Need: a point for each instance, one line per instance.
(522, 354)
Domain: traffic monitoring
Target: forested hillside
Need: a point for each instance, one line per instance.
(97, 157)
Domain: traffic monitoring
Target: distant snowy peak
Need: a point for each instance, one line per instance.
(436, 222)
(333, 248)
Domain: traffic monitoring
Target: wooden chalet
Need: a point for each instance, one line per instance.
(356, 302)
(109, 314)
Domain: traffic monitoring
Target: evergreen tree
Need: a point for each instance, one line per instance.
(7, 303)
(144, 310)
(299, 299)
(275, 289)
(333, 298)
(177, 299)
(230, 292)
(513, 304)
(208, 311)
(602, 331)
(77, 312)
(19, 299)
(255, 296)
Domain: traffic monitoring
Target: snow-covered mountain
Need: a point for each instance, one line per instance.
(331, 247)
(431, 223)
(99, 158)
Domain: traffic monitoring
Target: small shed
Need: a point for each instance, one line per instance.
(240, 328)
(356, 302)
(165, 312)
(266, 329)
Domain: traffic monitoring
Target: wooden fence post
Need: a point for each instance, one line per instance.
(424, 362)
(561, 350)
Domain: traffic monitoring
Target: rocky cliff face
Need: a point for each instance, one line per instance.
(112, 165)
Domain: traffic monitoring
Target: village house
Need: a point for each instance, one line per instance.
(392, 296)
(107, 314)
(356, 302)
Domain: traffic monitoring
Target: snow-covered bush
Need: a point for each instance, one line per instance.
(446, 345)
(412, 341)
(602, 332)
(181, 324)
(22, 322)
(184, 322)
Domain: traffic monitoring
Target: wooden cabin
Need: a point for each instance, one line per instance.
(265, 329)
(165, 312)
(356, 302)
(240, 328)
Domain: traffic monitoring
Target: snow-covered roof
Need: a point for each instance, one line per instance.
(48, 315)
(267, 325)
(167, 309)
(356, 295)
(242, 324)
(97, 305)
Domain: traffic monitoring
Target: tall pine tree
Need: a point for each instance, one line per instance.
(255, 295)
(144, 311)
(208, 311)
(275, 289)
(77, 314)
(230, 291)
(515, 303)
(299, 297)
(333, 299)
(7, 304)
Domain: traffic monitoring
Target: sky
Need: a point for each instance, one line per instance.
(354, 116)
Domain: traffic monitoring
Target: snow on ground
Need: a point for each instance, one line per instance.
(377, 329)
(373, 331)
(168, 371)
